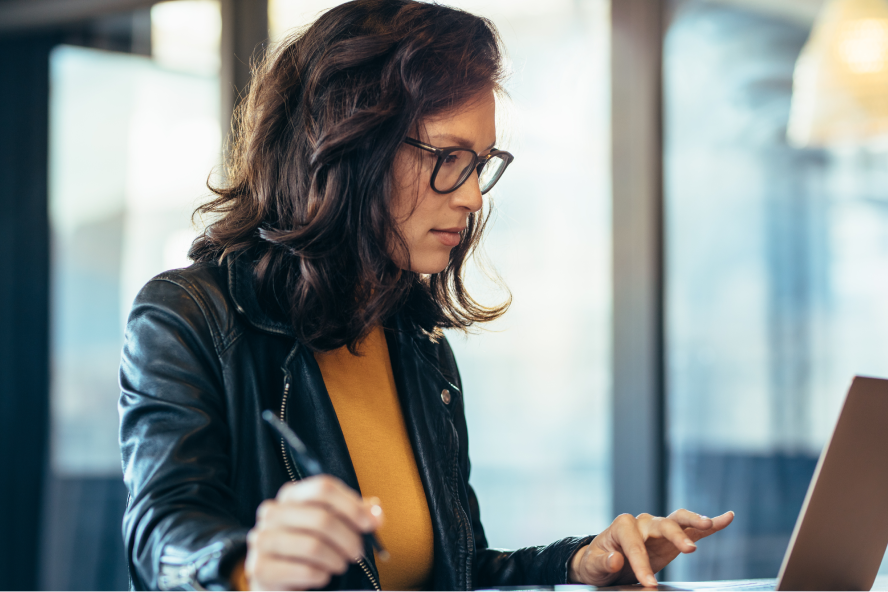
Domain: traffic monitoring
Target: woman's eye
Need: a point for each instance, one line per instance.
(451, 159)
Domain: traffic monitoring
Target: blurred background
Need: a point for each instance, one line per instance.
(694, 232)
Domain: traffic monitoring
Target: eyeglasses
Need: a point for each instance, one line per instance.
(455, 165)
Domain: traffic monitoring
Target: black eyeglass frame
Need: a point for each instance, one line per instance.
(480, 161)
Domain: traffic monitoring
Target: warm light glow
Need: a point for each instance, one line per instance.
(840, 84)
(284, 16)
(185, 35)
(863, 45)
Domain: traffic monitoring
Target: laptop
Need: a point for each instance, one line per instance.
(841, 534)
(842, 531)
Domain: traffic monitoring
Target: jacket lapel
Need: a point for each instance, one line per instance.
(309, 411)
(435, 446)
(311, 414)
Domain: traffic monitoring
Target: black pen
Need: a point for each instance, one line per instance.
(309, 466)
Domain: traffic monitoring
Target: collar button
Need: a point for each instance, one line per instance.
(445, 396)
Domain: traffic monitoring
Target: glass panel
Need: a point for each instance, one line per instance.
(538, 382)
(774, 301)
(132, 141)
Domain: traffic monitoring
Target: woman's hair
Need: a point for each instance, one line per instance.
(310, 172)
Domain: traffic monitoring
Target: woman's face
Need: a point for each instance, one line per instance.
(431, 223)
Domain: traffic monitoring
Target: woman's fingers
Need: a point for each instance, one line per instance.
(686, 518)
(646, 542)
(672, 531)
(334, 494)
(631, 541)
(373, 505)
(718, 523)
(314, 519)
(300, 546)
(712, 526)
(600, 566)
(596, 565)
(309, 532)
(611, 562)
(270, 572)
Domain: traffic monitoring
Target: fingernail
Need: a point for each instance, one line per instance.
(652, 582)
(690, 543)
(705, 518)
(376, 510)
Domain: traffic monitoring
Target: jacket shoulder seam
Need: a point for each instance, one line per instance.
(221, 342)
(231, 340)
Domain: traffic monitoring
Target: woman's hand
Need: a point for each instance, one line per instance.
(309, 532)
(633, 549)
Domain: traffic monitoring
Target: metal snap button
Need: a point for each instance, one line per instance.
(445, 396)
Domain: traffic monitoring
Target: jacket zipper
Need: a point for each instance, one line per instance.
(367, 571)
(293, 472)
(466, 524)
(284, 452)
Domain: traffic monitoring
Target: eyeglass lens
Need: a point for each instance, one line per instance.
(491, 172)
(457, 166)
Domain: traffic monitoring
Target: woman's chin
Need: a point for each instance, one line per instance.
(430, 265)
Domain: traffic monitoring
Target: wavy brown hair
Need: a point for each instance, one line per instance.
(310, 172)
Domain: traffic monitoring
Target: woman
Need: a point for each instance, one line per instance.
(320, 290)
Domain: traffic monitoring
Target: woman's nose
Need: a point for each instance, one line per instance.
(468, 196)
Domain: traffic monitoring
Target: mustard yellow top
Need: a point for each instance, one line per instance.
(362, 389)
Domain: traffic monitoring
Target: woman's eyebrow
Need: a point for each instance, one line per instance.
(461, 141)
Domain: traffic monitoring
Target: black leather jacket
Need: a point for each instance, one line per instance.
(201, 361)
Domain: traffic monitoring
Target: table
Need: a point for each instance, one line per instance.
(880, 585)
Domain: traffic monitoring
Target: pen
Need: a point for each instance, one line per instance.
(309, 466)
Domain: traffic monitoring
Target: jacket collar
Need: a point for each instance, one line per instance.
(243, 292)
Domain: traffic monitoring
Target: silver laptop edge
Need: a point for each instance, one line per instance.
(841, 532)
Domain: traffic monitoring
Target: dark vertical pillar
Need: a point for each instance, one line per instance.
(244, 40)
(638, 368)
(24, 303)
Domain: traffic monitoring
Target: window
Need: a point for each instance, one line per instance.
(775, 283)
(132, 140)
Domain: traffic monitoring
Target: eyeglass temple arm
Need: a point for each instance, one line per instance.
(419, 144)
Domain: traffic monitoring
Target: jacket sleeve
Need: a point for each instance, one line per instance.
(537, 566)
(529, 566)
(179, 531)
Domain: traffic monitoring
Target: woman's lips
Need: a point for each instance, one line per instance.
(449, 237)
